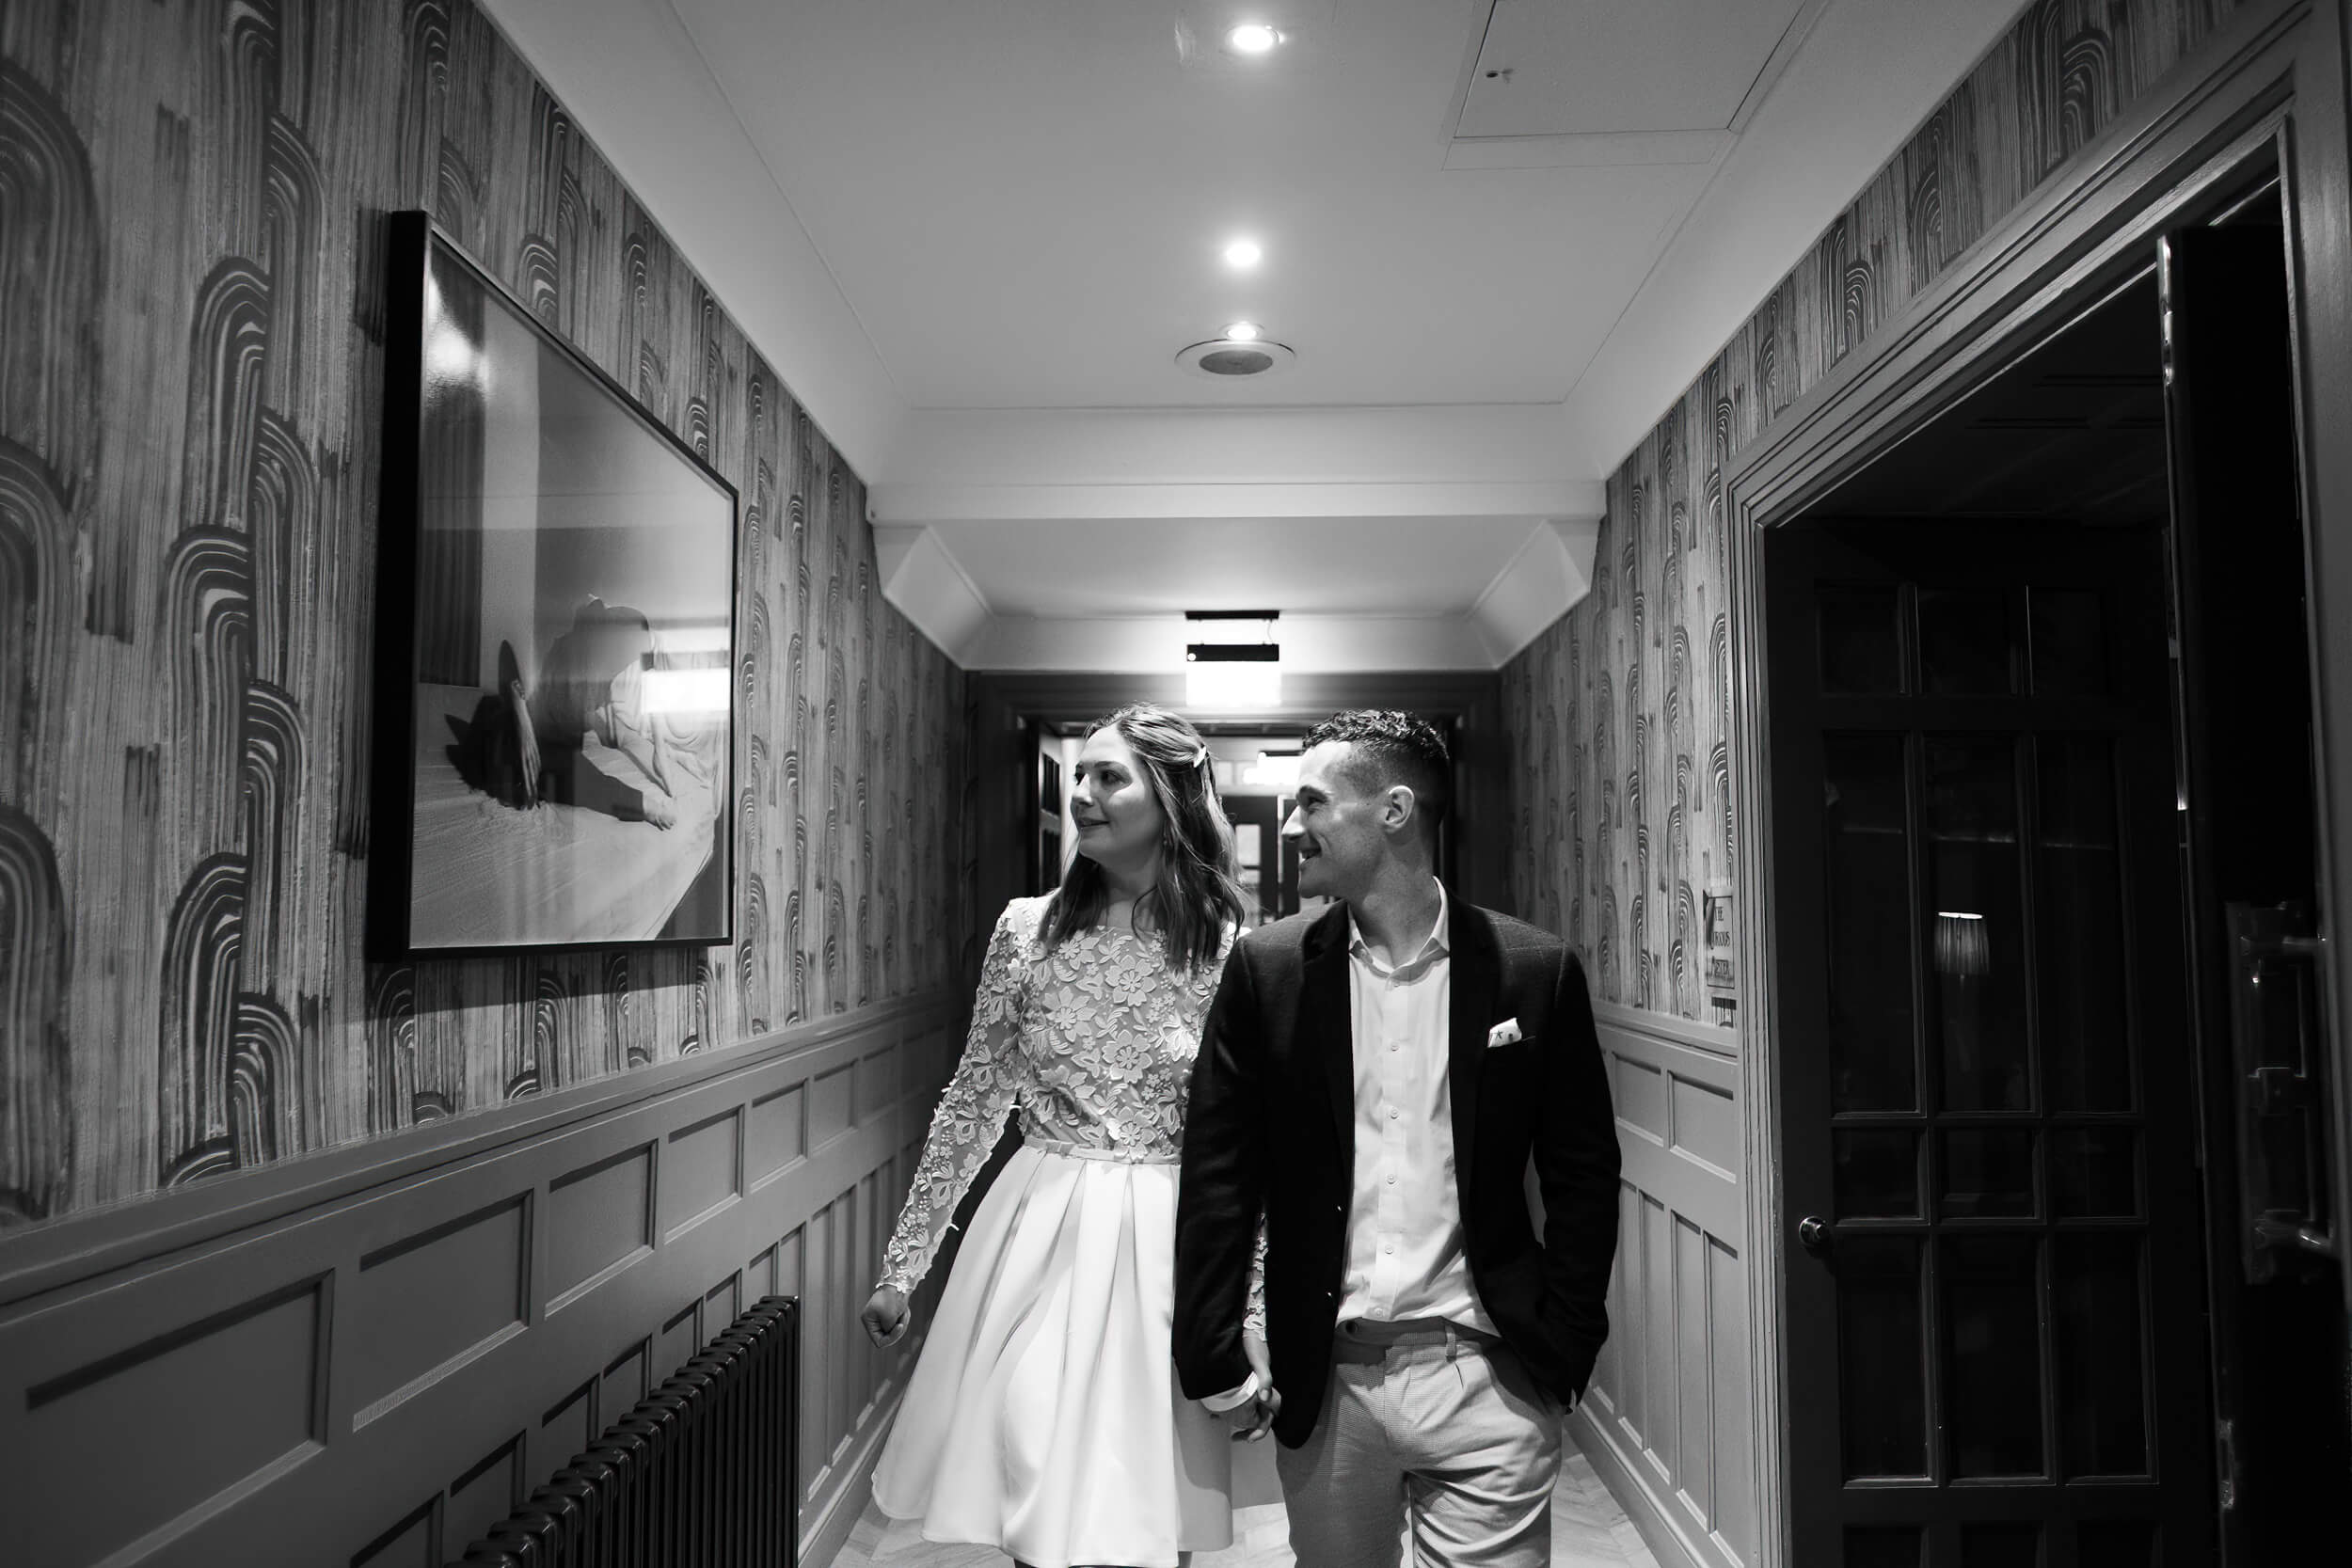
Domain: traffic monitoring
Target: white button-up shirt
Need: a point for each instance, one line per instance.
(1405, 1245)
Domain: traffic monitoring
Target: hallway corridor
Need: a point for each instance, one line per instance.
(569, 572)
(1588, 1530)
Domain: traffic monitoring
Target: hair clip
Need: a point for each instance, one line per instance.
(1201, 759)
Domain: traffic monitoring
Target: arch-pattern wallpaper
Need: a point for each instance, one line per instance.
(192, 201)
(1619, 714)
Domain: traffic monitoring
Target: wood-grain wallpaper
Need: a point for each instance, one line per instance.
(1619, 714)
(192, 214)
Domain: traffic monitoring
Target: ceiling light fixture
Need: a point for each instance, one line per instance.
(1252, 37)
(1229, 356)
(1235, 674)
(1243, 254)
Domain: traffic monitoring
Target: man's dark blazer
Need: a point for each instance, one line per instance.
(1271, 1127)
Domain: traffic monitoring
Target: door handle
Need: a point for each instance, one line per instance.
(2279, 1054)
(1813, 1234)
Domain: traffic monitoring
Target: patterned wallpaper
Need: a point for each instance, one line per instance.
(1618, 713)
(192, 201)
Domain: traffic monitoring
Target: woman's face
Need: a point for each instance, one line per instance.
(1119, 820)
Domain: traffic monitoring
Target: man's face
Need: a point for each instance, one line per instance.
(1335, 825)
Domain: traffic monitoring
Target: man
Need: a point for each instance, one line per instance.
(1374, 1081)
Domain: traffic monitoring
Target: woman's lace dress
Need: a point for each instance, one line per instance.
(1043, 1416)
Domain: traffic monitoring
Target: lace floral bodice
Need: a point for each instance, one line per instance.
(1095, 1042)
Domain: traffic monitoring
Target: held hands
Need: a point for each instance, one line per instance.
(1254, 1417)
(887, 1317)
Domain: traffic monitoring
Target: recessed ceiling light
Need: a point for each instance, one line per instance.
(1252, 37)
(1243, 253)
(1243, 332)
(1230, 359)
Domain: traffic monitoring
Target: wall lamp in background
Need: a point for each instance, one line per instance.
(1962, 946)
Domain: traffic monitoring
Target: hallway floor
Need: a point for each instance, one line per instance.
(1588, 1530)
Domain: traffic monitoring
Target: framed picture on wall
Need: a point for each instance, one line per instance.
(556, 735)
(1722, 950)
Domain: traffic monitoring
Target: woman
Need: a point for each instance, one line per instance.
(1043, 1416)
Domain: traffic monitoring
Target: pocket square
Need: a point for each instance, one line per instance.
(1504, 1033)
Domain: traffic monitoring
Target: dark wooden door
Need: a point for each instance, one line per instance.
(1995, 1276)
(2251, 797)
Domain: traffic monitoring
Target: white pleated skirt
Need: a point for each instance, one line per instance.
(1043, 1417)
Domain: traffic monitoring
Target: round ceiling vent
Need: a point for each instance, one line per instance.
(1235, 359)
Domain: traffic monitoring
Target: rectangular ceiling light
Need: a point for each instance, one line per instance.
(1256, 683)
(1234, 675)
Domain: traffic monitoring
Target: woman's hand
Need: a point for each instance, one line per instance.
(1254, 1417)
(886, 1316)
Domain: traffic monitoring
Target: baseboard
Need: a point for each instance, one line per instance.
(1668, 1540)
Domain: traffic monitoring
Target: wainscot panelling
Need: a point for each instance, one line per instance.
(1668, 1420)
(193, 200)
(417, 1336)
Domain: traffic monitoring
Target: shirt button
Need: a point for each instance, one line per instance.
(1391, 1247)
(1392, 1113)
(1391, 1181)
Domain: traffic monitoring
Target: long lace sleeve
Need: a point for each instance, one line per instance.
(971, 1112)
(1253, 1314)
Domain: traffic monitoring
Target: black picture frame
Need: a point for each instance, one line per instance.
(555, 728)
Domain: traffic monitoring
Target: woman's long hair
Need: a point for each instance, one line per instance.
(1196, 897)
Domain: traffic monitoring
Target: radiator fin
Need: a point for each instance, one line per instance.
(702, 1473)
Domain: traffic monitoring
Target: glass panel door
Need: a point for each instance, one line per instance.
(1982, 1038)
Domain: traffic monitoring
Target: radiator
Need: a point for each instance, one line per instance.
(704, 1473)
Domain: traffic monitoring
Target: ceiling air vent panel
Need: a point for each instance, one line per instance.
(1619, 81)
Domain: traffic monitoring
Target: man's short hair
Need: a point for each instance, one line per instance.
(1394, 748)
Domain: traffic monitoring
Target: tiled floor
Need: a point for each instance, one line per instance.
(1588, 1530)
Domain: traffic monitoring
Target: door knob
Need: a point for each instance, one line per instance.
(1813, 1234)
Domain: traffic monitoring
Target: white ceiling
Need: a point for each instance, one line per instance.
(972, 234)
(1023, 201)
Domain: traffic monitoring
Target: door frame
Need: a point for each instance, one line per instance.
(2270, 86)
(999, 700)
